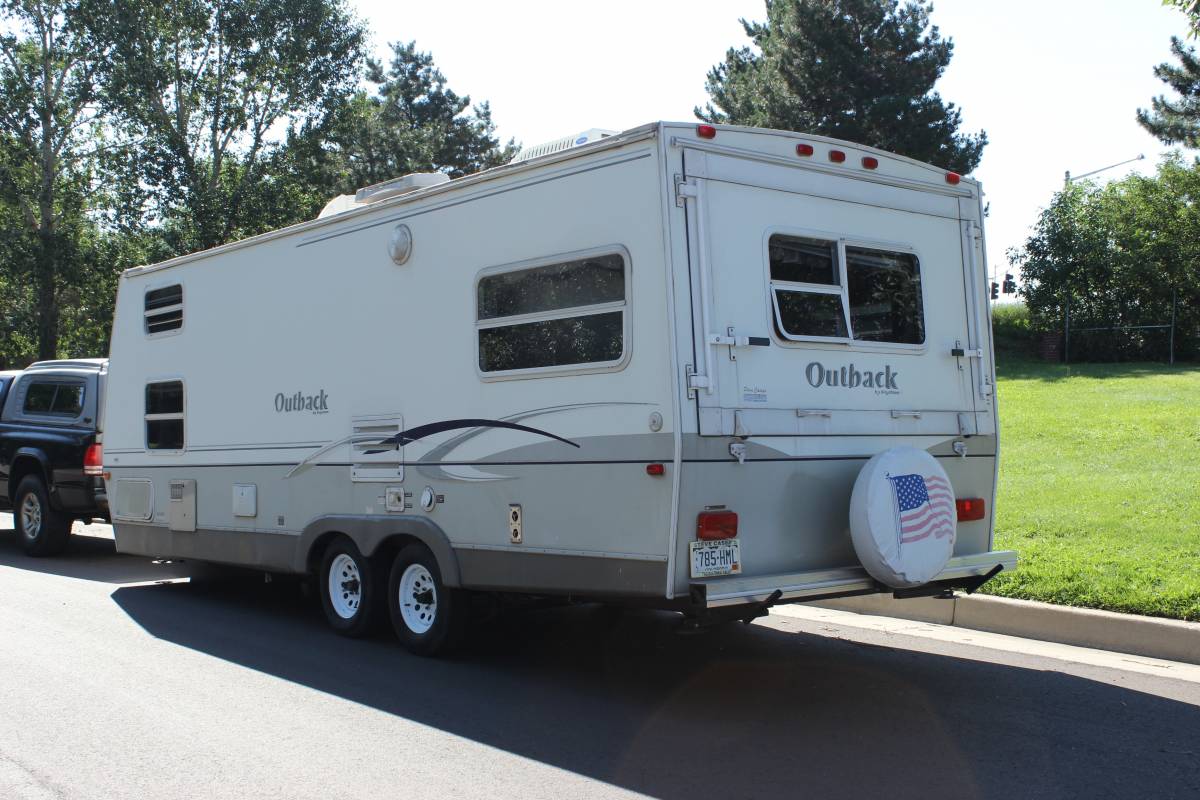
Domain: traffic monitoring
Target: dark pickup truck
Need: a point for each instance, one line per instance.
(50, 459)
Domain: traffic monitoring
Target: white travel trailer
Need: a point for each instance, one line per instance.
(707, 368)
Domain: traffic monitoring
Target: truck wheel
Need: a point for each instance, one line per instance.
(429, 618)
(349, 589)
(41, 530)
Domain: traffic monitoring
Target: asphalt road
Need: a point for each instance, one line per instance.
(119, 680)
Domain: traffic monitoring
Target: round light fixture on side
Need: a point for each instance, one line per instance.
(656, 421)
(428, 498)
(400, 246)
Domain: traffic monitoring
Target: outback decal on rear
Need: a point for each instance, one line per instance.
(882, 381)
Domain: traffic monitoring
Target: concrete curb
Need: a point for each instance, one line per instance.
(1167, 639)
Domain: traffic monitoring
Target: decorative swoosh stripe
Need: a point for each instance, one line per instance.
(421, 431)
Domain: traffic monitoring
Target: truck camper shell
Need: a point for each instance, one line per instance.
(654, 366)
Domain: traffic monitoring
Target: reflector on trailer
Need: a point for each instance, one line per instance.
(655, 469)
(969, 508)
(714, 525)
(706, 131)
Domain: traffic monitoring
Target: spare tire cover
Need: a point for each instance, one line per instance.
(902, 517)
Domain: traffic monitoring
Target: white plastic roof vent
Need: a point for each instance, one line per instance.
(565, 143)
(382, 191)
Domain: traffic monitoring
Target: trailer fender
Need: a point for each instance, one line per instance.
(370, 532)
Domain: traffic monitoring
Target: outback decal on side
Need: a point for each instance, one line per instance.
(882, 381)
(316, 403)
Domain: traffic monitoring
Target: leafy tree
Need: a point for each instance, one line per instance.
(48, 71)
(205, 85)
(861, 70)
(1176, 121)
(1189, 7)
(410, 122)
(1115, 254)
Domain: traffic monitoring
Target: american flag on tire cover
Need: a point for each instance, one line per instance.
(924, 507)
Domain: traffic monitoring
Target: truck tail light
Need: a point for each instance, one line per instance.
(93, 461)
(714, 525)
(969, 509)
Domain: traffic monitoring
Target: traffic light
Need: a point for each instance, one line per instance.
(995, 291)
(1010, 285)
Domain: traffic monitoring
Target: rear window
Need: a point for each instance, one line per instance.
(54, 399)
(824, 289)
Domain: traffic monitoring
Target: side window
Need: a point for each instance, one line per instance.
(557, 315)
(823, 289)
(164, 415)
(55, 399)
(164, 309)
(39, 398)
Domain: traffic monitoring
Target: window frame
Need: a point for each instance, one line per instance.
(843, 241)
(52, 416)
(154, 287)
(624, 306)
(146, 418)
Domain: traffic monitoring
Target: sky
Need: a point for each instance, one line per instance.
(1054, 83)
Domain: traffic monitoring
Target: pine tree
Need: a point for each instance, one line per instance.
(860, 70)
(1176, 121)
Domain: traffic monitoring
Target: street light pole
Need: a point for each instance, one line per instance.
(1067, 179)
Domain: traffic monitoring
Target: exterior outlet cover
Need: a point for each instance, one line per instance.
(245, 500)
(515, 526)
(394, 498)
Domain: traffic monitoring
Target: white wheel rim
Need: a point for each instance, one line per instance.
(345, 586)
(31, 516)
(418, 599)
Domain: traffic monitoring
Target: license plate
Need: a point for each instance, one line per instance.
(722, 557)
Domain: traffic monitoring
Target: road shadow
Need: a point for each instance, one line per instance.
(739, 711)
(93, 557)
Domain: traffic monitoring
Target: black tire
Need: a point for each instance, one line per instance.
(356, 611)
(41, 530)
(447, 615)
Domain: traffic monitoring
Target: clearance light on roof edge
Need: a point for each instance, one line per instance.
(870, 162)
(706, 131)
(837, 156)
(804, 149)
(953, 178)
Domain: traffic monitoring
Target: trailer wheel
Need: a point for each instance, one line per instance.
(349, 589)
(429, 618)
(41, 530)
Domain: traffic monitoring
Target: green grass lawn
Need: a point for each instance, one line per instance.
(1100, 485)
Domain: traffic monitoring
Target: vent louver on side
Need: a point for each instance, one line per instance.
(164, 309)
(368, 432)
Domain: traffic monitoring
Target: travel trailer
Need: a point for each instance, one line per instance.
(704, 368)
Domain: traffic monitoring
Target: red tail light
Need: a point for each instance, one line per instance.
(713, 525)
(969, 509)
(706, 131)
(837, 156)
(93, 460)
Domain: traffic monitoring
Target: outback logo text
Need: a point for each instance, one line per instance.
(882, 381)
(316, 403)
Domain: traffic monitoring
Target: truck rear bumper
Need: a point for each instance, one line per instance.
(824, 583)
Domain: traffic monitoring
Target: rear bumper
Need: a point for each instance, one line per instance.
(825, 583)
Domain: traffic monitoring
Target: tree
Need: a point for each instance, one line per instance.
(1189, 7)
(1118, 255)
(411, 122)
(48, 70)
(1176, 121)
(206, 86)
(861, 70)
